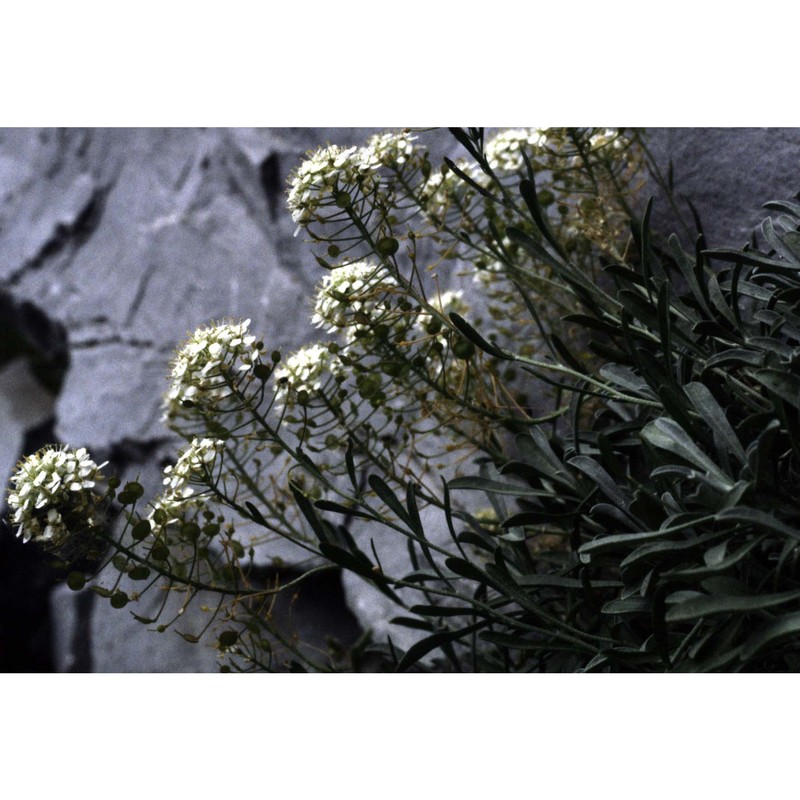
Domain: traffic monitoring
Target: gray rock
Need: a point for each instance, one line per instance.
(90, 635)
(24, 404)
(728, 174)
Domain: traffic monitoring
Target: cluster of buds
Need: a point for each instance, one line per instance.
(52, 495)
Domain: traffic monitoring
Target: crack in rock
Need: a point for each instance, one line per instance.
(269, 174)
(146, 344)
(66, 235)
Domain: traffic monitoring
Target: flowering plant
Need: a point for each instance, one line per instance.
(519, 390)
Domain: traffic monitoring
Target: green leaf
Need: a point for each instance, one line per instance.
(628, 605)
(422, 648)
(710, 410)
(411, 622)
(443, 611)
(350, 464)
(604, 543)
(714, 567)
(533, 247)
(338, 508)
(690, 274)
(307, 510)
(465, 569)
(782, 383)
(496, 487)
(607, 485)
(465, 329)
(358, 563)
(738, 357)
(758, 519)
(465, 141)
(759, 454)
(719, 302)
(527, 189)
(415, 523)
(666, 434)
(784, 205)
(381, 488)
(538, 454)
(727, 604)
(512, 642)
(780, 628)
(468, 179)
(561, 582)
(746, 257)
(776, 241)
(627, 379)
(660, 552)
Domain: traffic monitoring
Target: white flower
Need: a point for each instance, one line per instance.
(51, 484)
(327, 172)
(504, 151)
(209, 365)
(389, 149)
(350, 290)
(306, 370)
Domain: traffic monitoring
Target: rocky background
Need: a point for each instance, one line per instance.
(115, 243)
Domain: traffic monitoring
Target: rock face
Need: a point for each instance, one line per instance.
(127, 239)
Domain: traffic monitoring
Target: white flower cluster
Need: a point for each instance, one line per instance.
(211, 362)
(390, 149)
(445, 189)
(357, 288)
(607, 137)
(306, 370)
(327, 172)
(504, 151)
(192, 465)
(48, 486)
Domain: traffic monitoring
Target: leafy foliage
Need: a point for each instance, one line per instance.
(680, 504)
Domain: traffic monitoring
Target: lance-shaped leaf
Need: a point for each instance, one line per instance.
(710, 410)
(728, 604)
(665, 434)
